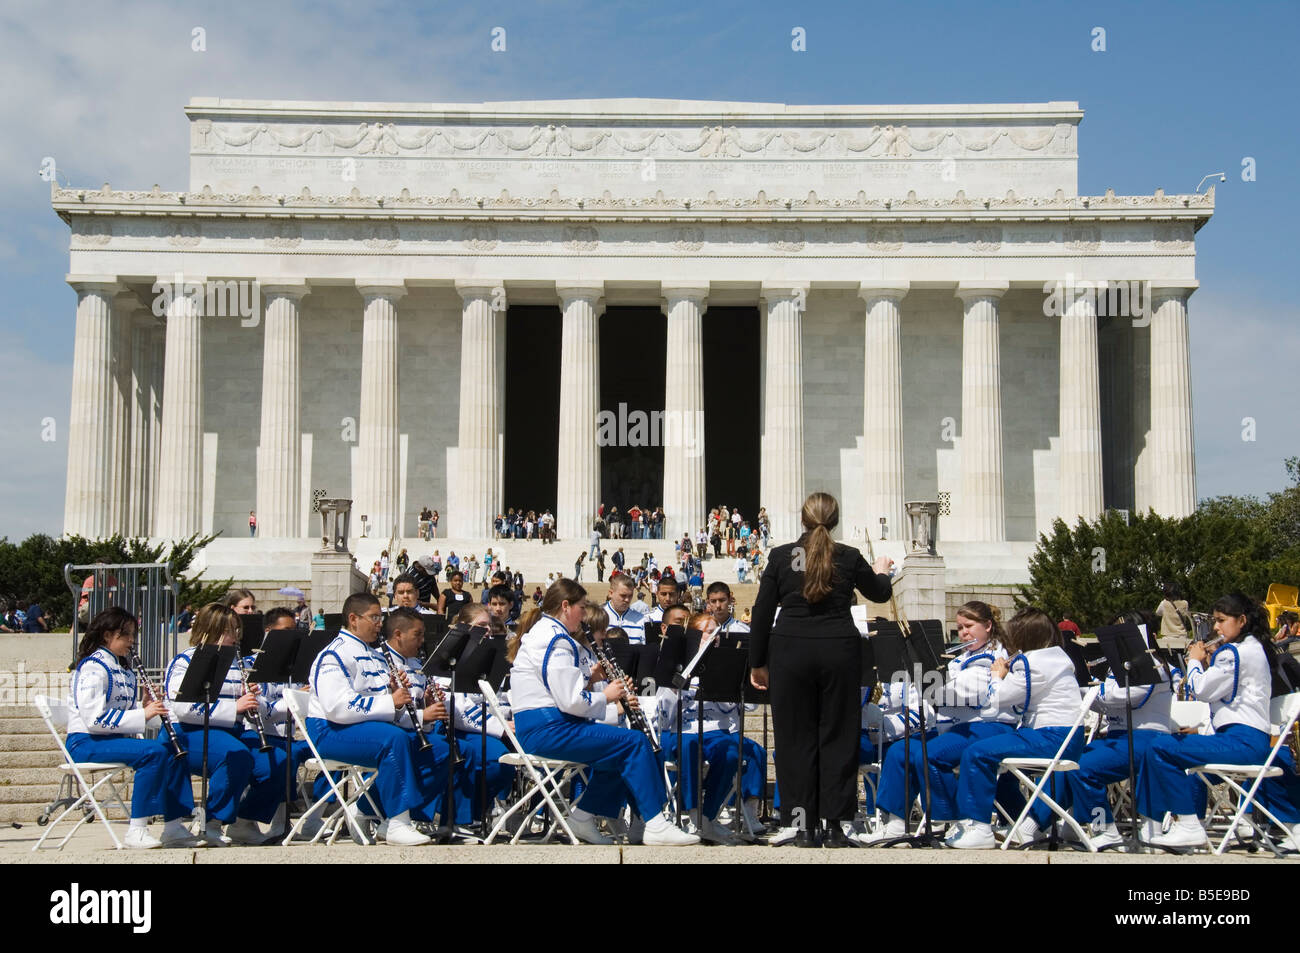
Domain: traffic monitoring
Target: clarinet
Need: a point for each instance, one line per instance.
(255, 716)
(154, 695)
(635, 716)
(400, 677)
(441, 698)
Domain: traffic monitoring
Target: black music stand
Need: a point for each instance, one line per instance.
(912, 651)
(479, 661)
(868, 678)
(1126, 650)
(653, 632)
(442, 661)
(333, 622)
(202, 686)
(252, 630)
(273, 664)
(669, 662)
(723, 675)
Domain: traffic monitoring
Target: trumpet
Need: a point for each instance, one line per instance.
(151, 689)
(400, 678)
(255, 716)
(635, 716)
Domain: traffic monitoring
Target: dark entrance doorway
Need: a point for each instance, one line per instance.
(731, 402)
(633, 342)
(532, 407)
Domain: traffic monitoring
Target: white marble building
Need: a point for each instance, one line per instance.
(334, 267)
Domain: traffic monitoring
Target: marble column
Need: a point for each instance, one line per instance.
(157, 365)
(578, 480)
(119, 409)
(1143, 452)
(378, 443)
(983, 506)
(1081, 494)
(178, 511)
(141, 476)
(478, 476)
(882, 407)
(683, 432)
(1173, 458)
(91, 437)
(279, 450)
(781, 474)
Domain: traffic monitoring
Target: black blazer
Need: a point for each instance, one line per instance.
(829, 618)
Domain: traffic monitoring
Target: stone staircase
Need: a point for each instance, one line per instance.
(29, 760)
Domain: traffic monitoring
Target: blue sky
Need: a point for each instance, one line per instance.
(1183, 89)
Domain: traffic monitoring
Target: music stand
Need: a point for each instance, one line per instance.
(868, 678)
(273, 664)
(1126, 650)
(252, 629)
(897, 649)
(443, 661)
(653, 632)
(479, 662)
(669, 662)
(333, 622)
(202, 686)
(723, 679)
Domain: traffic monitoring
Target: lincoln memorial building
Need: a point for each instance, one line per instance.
(555, 304)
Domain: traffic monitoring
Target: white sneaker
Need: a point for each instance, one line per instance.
(584, 828)
(750, 808)
(711, 832)
(882, 831)
(783, 836)
(660, 832)
(139, 838)
(1187, 832)
(245, 831)
(1108, 836)
(212, 836)
(1025, 832)
(400, 834)
(177, 834)
(974, 836)
(1292, 840)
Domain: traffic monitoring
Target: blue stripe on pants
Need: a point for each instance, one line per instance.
(162, 782)
(977, 786)
(408, 779)
(1163, 784)
(619, 761)
(944, 752)
(230, 768)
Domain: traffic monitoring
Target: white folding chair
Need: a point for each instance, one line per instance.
(360, 777)
(1283, 713)
(547, 777)
(1024, 769)
(55, 716)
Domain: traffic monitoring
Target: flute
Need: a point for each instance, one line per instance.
(172, 736)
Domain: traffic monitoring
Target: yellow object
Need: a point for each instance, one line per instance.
(1280, 599)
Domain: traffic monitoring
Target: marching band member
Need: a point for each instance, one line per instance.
(961, 721)
(1037, 684)
(241, 600)
(721, 602)
(103, 722)
(406, 595)
(353, 717)
(1105, 760)
(558, 708)
(244, 786)
(622, 614)
(1237, 683)
(500, 603)
(721, 724)
(667, 595)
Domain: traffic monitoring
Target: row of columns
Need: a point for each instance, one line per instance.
(135, 460)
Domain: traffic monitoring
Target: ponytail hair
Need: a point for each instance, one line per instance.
(105, 623)
(820, 515)
(527, 619)
(1238, 604)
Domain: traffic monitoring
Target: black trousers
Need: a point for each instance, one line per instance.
(815, 714)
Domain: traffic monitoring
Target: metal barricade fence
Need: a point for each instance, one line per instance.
(146, 590)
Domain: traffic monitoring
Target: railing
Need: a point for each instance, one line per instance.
(146, 590)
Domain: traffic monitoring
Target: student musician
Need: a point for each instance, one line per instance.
(667, 595)
(353, 714)
(1038, 685)
(1236, 681)
(500, 603)
(245, 786)
(622, 613)
(406, 595)
(961, 721)
(721, 604)
(103, 724)
(559, 700)
(721, 725)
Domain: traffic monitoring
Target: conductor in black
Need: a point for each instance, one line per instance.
(810, 659)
